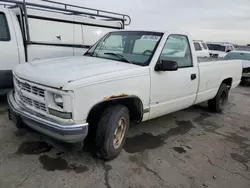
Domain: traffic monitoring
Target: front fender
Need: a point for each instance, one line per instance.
(85, 98)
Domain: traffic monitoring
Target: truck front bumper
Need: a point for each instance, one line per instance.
(66, 132)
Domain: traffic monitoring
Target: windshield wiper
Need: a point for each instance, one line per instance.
(120, 56)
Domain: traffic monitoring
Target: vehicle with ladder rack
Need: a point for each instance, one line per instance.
(31, 32)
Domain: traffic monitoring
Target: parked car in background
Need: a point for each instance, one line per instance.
(245, 57)
(219, 50)
(151, 74)
(30, 32)
(242, 48)
(201, 48)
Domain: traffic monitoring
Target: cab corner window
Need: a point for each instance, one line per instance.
(4, 30)
(177, 49)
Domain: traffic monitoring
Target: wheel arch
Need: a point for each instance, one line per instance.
(132, 102)
(228, 82)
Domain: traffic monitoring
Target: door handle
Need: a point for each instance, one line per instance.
(193, 76)
(58, 37)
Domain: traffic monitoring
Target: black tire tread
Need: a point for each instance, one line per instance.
(213, 103)
(102, 131)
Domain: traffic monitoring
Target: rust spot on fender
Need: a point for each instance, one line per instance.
(116, 96)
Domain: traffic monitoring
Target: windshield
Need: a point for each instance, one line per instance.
(136, 47)
(238, 55)
(216, 47)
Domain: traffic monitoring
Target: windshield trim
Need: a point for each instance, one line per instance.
(146, 63)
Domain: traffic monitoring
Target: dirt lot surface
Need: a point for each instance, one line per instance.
(191, 148)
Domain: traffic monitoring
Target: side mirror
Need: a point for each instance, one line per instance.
(228, 51)
(166, 65)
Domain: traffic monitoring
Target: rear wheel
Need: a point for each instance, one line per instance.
(218, 103)
(111, 132)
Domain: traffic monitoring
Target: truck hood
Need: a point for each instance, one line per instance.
(61, 71)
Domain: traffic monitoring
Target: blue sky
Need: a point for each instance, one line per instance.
(211, 20)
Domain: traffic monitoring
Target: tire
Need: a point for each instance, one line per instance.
(105, 134)
(218, 103)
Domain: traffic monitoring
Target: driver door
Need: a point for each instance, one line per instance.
(174, 90)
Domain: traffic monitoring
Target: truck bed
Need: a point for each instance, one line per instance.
(213, 71)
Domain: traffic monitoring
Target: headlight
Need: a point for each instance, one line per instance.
(58, 100)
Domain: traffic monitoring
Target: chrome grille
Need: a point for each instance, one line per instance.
(39, 105)
(31, 102)
(23, 88)
(25, 99)
(31, 89)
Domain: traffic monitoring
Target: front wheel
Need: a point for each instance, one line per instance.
(111, 132)
(218, 103)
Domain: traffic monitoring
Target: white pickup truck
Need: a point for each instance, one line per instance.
(30, 31)
(127, 76)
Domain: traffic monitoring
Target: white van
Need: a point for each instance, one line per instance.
(30, 32)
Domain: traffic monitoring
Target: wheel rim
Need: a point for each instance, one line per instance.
(223, 99)
(119, 133)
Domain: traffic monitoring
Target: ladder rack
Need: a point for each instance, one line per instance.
(64, 8)
(111, 16)
(70, 9)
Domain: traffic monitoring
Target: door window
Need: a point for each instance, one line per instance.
(177, 49)
(228, 48)
(231, 48)
(4, 29)
(197, 46)
(204, 45)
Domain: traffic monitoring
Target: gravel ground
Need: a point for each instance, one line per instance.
(190, 148)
